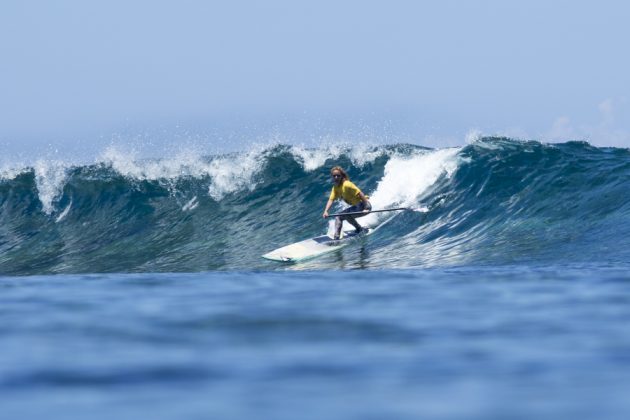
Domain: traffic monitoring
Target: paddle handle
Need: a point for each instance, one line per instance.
(355, 213)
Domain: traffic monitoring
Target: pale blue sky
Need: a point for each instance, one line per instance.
(81, 71)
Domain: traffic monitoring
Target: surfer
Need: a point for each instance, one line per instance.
(351, 194)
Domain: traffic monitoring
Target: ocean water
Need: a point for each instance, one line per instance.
(135, 289)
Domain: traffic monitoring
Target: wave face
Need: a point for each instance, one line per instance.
(496, 201)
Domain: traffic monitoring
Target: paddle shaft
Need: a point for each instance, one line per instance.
(355, 213)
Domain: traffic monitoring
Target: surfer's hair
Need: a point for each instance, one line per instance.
(343, 173)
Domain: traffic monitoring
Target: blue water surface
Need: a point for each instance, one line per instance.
(496, 342)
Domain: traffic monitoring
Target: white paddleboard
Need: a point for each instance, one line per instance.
(314, 247)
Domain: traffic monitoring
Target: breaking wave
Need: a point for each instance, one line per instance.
(494, 201)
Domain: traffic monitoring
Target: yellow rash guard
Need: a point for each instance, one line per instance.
(346, 191)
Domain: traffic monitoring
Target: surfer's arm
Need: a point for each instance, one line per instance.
(325, 215)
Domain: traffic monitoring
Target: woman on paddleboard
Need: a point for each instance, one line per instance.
(351, 194)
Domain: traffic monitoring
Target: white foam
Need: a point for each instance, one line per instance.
(8, 173)
(362, 154)
(473, 136)
(312, 159)
(64, 213)
(407, 178)
(359, 155)
(185, 163)
(191, 205)
(233, 173)
(50, 177)
(228, 173)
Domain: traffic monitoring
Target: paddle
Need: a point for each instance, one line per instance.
(355, 213)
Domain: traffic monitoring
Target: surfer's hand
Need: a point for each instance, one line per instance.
(325, 215)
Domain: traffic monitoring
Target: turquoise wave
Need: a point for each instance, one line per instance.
(495, 201)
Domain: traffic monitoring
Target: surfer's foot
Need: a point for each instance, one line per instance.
(359, 230)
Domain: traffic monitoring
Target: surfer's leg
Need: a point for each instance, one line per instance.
(340, 219)
(338, 225)
(354, 223)
(359, 207)
(352, 219)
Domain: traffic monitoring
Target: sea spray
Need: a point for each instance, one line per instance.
(50, 177)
